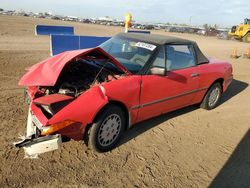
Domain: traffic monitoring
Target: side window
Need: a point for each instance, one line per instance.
(160, 59)
(180, 56)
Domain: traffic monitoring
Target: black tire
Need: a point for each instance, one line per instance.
(207, 100)
(246, 38)
(95, 139)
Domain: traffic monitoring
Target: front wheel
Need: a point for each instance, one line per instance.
(212, 97)
(105, 132)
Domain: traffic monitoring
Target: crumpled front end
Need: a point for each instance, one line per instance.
(56, 116)
(65, 93)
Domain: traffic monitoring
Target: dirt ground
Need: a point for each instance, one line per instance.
(191, 147)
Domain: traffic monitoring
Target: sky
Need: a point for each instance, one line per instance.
(194, 12)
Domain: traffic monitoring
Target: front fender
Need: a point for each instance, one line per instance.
(84, 108)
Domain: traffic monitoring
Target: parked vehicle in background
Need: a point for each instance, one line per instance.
(148, 27)
(212, 32)
(201, 32)
(223, 35)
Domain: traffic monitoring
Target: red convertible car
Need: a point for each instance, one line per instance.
(96, 94)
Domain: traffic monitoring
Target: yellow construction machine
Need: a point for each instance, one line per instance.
(241, 32)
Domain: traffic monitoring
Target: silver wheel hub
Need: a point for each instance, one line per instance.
(214, 96)
(109, 130)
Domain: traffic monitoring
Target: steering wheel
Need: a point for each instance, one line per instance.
(113, 75)
(140, 59)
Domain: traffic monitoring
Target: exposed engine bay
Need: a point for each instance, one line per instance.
(81, 74)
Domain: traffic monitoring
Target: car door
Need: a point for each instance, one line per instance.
(175, 89)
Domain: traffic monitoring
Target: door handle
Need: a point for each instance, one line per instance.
(195, 74)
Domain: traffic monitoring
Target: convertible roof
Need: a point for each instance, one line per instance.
(152, 38)
(163, 39)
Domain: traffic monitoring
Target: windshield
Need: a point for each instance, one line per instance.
(130, 53)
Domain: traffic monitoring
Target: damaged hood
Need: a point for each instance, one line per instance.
(46, 72)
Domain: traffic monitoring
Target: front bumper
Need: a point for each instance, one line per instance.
(35, 146)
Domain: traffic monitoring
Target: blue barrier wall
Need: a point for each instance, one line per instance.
(62, 43)
(53, 30)
(138, 31)
(91, 41)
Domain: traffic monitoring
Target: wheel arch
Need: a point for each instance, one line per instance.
(219, 80)
(203, 103)
(110, 102)
(124, 109)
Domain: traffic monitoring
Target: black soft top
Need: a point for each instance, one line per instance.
(162, 40)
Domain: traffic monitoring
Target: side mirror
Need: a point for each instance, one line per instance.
(157, 71)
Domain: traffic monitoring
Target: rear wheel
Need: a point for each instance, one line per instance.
(212, 97)
(246, 38)
(107, 129)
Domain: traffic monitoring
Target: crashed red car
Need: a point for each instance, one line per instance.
(96, 94)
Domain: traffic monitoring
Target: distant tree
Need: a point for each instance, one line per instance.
(216, 26)
(183, 24)
(1, 9)
(206, 26)
(46, 14)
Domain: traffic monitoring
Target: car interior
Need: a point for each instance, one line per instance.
(177, 56)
